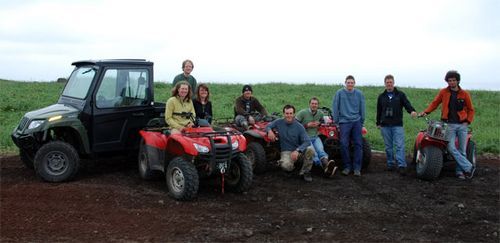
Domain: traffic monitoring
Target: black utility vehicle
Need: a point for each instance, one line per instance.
(100, 112)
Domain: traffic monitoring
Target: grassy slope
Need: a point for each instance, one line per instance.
(20, 97)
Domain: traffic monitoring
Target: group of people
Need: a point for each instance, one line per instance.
(298, 132)
(187, 98)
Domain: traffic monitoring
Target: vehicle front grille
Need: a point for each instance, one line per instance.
(23, 123)
(222, 152)
(219, 153)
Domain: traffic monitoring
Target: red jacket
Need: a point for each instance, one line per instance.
(465, 115)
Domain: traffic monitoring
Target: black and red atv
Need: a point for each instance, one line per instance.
(198, 152)
(430, 152)
(330, 136)
(260, 149)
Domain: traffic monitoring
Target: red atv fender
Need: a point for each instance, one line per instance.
(154, 139)
(258, 134)
(422, 140)
(161, 141)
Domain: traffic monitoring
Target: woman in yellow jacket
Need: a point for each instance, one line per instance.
(178, 103)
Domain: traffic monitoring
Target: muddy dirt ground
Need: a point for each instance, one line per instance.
(108, 202)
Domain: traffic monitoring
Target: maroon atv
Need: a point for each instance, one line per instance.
(330, 136)
(197, 153)
(260, 149)
(430, 151)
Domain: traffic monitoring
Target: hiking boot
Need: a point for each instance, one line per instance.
(324, 162)
(460, 176)
(402, 171)
(346, 171)
(307, 177)
(470, 174)
(333, 171)
(357, 173)
(329, 166)
(276, 163)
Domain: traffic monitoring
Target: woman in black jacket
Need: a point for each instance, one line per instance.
(202, 103)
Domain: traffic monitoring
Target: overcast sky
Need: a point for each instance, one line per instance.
(259, 41)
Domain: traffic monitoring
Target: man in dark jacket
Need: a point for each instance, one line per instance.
(390, 105)
(244, 106)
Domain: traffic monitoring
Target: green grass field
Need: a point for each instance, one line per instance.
(18, 98)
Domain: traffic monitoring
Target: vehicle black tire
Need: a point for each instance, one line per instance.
(56, 161)
(182, 179)
(257, 156)
(332, 148)
(367, 154)
(27, 157)
(413, 163)
(239, 177)
(414, 160)
(145, 171)
(471, 152)
(431, 163)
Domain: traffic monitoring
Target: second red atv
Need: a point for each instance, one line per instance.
(196, 153)
(330, 136)
(260, 149)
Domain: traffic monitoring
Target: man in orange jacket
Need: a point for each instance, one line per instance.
(458, 112)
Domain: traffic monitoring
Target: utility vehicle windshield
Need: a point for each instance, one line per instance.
(79, 82)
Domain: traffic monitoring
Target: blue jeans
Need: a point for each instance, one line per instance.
(460, 131)
(318, 149)
(351, 132)
(394, 137)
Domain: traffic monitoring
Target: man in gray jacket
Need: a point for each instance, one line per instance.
(349, 112)
(294, 142)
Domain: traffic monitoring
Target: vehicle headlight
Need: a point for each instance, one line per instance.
(201, 148)
(331, 133)
(36, 123)
(55, 118)
(235, 145)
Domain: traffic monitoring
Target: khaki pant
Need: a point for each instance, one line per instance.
(287, 164)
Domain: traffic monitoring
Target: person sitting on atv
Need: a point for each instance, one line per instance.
(458, 112)
(310, 119)
(244, 106)
(179, 108)
(202, 104)
(294, 143)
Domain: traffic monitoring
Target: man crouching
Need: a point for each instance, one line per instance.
(294, 142)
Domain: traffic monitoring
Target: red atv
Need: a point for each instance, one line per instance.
(330, 136)
(430, 151)
(196, 153)
(260, 149)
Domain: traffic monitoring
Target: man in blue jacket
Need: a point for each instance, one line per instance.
(349, 112)
(390, 105)
(294, 142)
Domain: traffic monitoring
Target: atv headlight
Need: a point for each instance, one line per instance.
(235, 145)
(331, 133)
(36, 123)
(201, 148)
